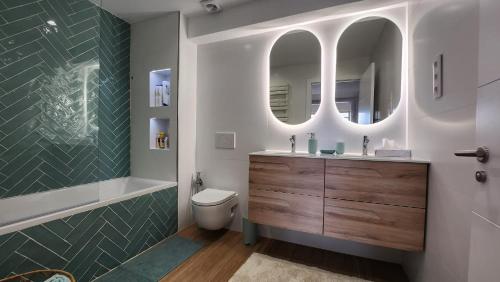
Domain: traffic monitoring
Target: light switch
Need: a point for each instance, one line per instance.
(437, 77)
(225, 140)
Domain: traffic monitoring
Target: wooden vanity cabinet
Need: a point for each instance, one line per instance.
(391, 183)
(381, 203)
(287, 192)
(382, 225)
(376, 202)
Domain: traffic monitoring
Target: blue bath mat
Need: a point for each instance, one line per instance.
(155, 263)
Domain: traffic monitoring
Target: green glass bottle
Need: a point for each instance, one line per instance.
(313, 144)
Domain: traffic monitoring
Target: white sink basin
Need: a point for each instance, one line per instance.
(340, 157)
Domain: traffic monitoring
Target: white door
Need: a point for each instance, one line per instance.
(484, 252)
(366, 96)
(313, 97)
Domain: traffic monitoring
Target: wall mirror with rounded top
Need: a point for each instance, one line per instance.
(368, 70)
(295, 77)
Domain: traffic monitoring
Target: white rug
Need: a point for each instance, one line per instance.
(262, 268)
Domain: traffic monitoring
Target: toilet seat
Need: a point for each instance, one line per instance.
(212, 197)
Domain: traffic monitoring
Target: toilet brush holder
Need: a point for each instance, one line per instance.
(249, 232)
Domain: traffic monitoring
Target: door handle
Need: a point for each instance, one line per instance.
(482, 154)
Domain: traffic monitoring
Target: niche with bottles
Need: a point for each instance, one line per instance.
(159, 88)
(159, 135)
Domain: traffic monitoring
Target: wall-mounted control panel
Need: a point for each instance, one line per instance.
(437, 77)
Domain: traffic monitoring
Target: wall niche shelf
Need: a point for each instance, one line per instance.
(157, 125)
(160, 88)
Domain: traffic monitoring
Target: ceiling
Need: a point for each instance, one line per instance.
(137, 10)
(360, 39)
(296, 48)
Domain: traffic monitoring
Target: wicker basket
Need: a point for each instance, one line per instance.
(38, 275)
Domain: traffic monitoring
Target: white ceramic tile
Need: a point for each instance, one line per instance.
(449, 201)
(447, 27)
(437, 128)
(489, 43)
(484, 250)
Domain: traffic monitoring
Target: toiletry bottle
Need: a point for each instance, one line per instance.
(313, 144)
(158, 89)
(156, 96)
(162, 140)
(157, 141)
(167, 141)
(339, 148)
(165, 97)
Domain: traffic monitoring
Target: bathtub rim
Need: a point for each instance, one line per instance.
(23, 224)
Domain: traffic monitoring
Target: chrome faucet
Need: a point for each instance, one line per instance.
(365, 145)
(292, 141)
(198, 182)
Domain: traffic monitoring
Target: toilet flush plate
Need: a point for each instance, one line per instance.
(225, 140)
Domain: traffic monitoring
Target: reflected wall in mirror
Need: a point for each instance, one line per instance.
(368, 76)
(295, 77)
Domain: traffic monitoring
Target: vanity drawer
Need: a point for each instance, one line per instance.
(394, 183)
(303, 176)
(284, 210)
(382, 225)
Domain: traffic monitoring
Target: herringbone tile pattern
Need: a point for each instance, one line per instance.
(64, 95)
(91, 243)
(114, 97)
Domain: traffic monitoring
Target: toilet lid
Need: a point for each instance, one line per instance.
(212, 197)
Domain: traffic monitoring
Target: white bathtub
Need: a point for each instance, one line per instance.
(21, 212)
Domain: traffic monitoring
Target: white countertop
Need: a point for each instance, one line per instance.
(337, 157)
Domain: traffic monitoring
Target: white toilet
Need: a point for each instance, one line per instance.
(213, 209)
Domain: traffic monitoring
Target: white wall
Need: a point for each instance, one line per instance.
(352, 68)
(153, 46)
(439, 127)
(156, 44)
(387, 58)
(187, 122)
(232, 95)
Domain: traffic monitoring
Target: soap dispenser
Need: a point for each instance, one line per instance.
(313, 144)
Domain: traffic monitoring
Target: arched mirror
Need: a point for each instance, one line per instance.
(368, 76)
(295, 77)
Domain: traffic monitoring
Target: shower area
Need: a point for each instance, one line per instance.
(64, 80)
(61, 86)
(67, 200)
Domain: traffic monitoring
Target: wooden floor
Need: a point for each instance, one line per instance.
(224, 252)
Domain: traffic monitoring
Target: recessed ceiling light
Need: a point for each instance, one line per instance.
(52, 22)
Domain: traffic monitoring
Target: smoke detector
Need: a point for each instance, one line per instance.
(211, 6)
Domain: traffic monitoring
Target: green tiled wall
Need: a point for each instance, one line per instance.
(114, 97)
(91, 243)
(64, 95)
